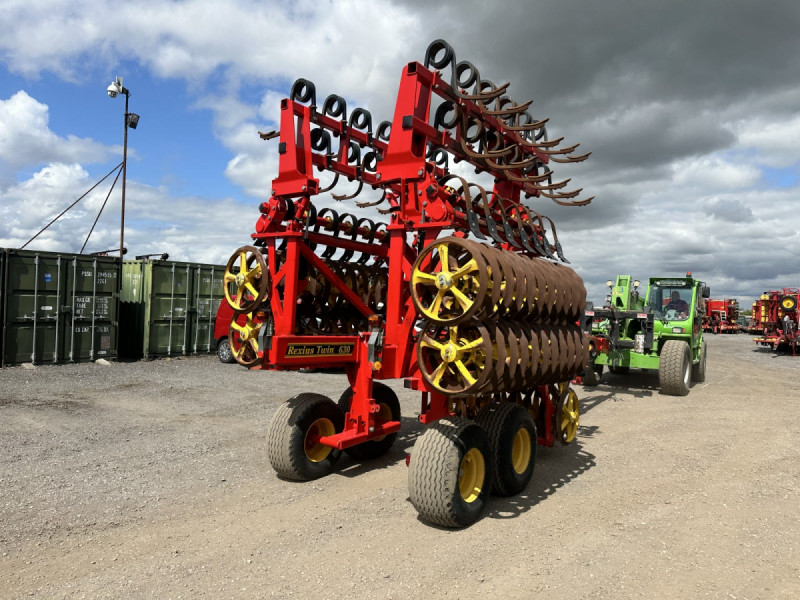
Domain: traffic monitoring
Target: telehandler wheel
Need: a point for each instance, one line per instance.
(512, 434)
(699, 370)
(293, 435)
(450, 473)
(674, 369)
(390, 411)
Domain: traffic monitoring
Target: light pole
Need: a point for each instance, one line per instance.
(131, 120)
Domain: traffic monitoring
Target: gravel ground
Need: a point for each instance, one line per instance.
(150, 480)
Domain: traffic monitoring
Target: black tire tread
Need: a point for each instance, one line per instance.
(671, 367)
(281, 437)
(699, 370)
(493, 420)
(371, 449)
(433, 471)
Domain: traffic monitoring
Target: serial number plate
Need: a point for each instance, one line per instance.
(293, 350)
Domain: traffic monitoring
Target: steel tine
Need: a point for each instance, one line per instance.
(570, 159)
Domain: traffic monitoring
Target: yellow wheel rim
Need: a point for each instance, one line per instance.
(316, 452)
(570, 416)
(471, 475)
(247, 281)
(788, 303)
(454, 287)
(385, 414)
(461, 359)
(247, 350)
(521, 451)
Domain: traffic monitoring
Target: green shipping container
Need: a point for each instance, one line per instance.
(58, 307)
(168, 308)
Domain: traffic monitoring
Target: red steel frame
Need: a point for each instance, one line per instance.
(421, 207)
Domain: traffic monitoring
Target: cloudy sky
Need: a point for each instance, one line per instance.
(689, 108)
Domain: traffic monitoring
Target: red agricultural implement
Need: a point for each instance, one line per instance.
(721, 316)
(459, 291)
(778, 319)
(758, 311)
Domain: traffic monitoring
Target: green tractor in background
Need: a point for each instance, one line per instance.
(661, 331)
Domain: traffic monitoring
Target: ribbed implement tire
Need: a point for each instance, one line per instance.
(287, 431)
(502, 423)
(383, 394)
(674, 368)
(699, 370)
(433, 472)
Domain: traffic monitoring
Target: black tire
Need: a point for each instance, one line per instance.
(512, 434)
(699, 370)
(674, 368)
(437, 472)
(287, 433)
(224, 351)
(387, 399)
(619, 370)
(592, 375)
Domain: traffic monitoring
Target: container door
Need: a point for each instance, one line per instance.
(170, 294)
(208, 292)
(33, 321)
(133, 301)
(91, 293)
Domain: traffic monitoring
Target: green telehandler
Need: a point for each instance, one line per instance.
(661, 331)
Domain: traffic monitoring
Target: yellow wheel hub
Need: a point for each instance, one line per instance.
(315, 451)
(521, 451)
(471, 475)
(449, 352)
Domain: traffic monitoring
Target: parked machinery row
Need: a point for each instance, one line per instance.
(721, 316)
(459, 292)
(776, 319)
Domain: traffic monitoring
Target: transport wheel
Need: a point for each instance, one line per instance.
(293, 435)
(674, 368)
(247, 271)
(512, 435)
(390, 411)
(788, 303)
(699, 370)
(450, 473)
(568, 416)
(224, 351)
(619, 370)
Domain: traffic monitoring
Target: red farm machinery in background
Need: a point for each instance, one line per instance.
(459, 290)
(776, 315)
(721, 316)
